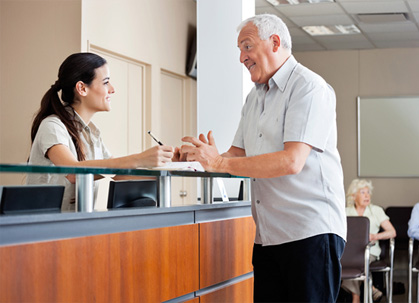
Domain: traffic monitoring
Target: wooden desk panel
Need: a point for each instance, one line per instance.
(240, 292)
(225, 249)
(141, 266)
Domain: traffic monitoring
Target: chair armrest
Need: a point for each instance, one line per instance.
(367, 257)
(392, 242)
(392, 248)
(411, 242)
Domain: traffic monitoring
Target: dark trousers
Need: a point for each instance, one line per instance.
(302, 271)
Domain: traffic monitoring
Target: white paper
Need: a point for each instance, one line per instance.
(187, 166)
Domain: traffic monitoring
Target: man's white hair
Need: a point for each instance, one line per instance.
(269, 25)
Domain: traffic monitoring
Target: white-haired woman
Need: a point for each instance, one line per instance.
(358, 199)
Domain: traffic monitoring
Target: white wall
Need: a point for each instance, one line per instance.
(220, 74)
(222, 82)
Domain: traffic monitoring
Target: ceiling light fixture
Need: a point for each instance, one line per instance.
(323, 30)
(294, 2)
(383, 17)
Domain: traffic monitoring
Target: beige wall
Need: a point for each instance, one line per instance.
(156, 33)
(386, 72)
(35, 37)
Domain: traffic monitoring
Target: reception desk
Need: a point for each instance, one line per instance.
(195, 253)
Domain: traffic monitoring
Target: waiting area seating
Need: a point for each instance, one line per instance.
(413, 269)
(399, 217)
(356, 257)
(386, 265)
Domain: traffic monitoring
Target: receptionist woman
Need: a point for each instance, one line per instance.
(63, 133)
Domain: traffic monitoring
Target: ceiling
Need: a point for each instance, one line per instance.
(374, 18)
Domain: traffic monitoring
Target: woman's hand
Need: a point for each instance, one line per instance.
(156, 156)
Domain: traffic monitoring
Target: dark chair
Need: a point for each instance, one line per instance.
(356, 257)
(399, 217)
(413, 269)
(132, 193)
(21, 199)
(386, 265)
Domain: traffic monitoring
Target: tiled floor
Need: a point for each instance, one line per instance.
(401, 277)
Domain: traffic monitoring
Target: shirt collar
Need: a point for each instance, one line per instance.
(279, 79)
(282, 76)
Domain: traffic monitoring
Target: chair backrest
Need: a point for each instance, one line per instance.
(399, 217)
(132, 193)
(356, 240)
(31, 198)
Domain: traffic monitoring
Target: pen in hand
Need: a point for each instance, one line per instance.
(154, 138)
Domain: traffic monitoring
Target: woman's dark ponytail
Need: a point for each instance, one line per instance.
(77, 67)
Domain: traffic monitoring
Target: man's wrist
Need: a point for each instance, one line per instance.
(222, 164)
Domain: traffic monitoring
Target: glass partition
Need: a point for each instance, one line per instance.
(84, 181)
(25, 168)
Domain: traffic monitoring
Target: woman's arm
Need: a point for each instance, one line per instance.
(61, 155)
(388, 232)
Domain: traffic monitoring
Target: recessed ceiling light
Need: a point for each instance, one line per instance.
(293, 2)
(323, 30)
(383, 17)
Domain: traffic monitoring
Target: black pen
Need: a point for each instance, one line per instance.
(154, 138)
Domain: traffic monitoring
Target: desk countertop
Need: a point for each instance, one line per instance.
(28, 228)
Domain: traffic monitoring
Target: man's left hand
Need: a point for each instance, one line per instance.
(203, 151)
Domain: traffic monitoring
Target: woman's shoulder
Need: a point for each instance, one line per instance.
(378, 212)
(350, 211)
(51, 120)
(376, 207)
(52, 125)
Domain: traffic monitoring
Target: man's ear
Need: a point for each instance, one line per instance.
(276, 42)
(81, 88)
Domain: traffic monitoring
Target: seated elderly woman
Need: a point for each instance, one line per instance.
(359, 204)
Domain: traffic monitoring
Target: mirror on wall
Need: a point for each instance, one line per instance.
(388, 136)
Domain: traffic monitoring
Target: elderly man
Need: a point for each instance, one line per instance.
(286, 142)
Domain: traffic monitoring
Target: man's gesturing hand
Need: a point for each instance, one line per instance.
(203, 151)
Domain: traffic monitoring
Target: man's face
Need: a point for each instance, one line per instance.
(256, 54)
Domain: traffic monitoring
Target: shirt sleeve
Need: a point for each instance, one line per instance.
(311, 114)
(413, 230)
(380, 214)
(52, 132)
